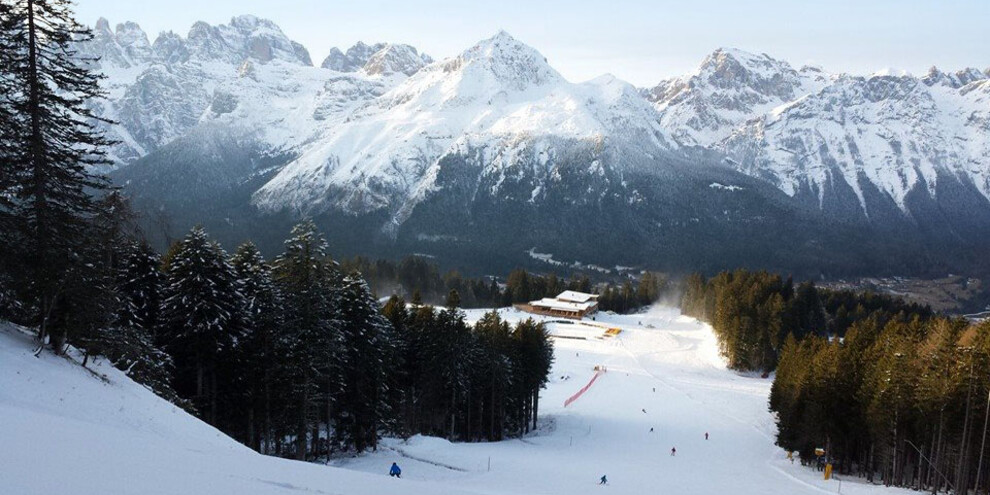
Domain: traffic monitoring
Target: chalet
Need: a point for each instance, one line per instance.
(567, 304)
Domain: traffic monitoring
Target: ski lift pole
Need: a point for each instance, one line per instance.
(983, 444)
(933, 466)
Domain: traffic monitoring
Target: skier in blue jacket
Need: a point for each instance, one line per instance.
(395, 471)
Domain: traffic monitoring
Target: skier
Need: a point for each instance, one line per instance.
(654, 389)
(395, 471)
(706, 435)
(651, 429)
(644, 411)
(604, 480)
(673, 451)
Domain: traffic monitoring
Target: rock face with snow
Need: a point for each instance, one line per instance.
(874, 144)
(728, 88)
(353, 59)
(892, 151)
(498, 105)
(160, 91)
(493, 151)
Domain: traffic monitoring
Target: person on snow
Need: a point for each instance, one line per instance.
(644, 411)
(604, 480)
(395, 471)
(706, 435)
(673, 451)
(651, 429)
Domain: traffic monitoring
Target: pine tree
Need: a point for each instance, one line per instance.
(200, 311)
(535, 351)
(58, 147)
(496, 373)
(255, 368)
(140, 283)
(400, 359)
(11, 128)
(453, 299)
(306, 277)
(362, 407)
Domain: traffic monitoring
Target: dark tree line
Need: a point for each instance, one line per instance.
(295, 357)
(892, 392)
(522, 286)
(902, 399)
(466, 383)
(752, 313)
(422, 280)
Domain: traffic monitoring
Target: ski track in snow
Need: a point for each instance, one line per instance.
(62, 427)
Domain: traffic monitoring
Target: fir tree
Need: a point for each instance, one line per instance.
(58, 147)
(305, 276)
(366, 339)
(200, 311)
(140, 283)
(255, 368)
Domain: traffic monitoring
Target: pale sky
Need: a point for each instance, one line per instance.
(639, 41)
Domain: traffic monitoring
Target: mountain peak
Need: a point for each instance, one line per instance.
(727, 55)
(734, 63)
(508, 59)
(954, 80)
(395, 58)
(246, 36)
(353, 59)
(103, 25)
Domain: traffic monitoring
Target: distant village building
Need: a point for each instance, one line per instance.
(567, 304)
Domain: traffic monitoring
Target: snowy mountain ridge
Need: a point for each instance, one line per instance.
(387, 145)
(810, 133)
(246, 74)
(496, 99)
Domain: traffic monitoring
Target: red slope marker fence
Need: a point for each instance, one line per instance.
(598, 372)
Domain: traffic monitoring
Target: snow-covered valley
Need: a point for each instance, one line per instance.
(65, 429)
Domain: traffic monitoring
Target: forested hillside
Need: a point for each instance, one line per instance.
(892, 392)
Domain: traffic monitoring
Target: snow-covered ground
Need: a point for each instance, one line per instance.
(64, 430)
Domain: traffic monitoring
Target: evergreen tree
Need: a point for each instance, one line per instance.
(362, 408)
(255, 369)
(10, 126)
(140, 283)
(535, 352)
(453, 299)
(305, 276)
(496, 373)
(400, 358)
(57, 148)
(200, 311)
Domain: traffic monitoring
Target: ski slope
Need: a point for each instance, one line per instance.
(66, 430)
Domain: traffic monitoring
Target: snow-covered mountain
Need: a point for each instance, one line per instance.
(729, 88)
(232, 126)
(498, 104)
(887, 135)
(885, 148)
(246, 74)
(376, 59)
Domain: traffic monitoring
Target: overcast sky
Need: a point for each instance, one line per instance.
(640, 41)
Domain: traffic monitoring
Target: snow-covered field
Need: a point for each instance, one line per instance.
(65, 430)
